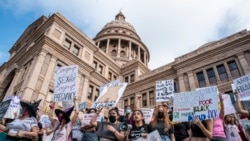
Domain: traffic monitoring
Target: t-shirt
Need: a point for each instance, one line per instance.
(160, 127)
(196, 131)
(218, 130)
(62, 133)
(136, 132)
(103, 132)
(232, 133)
(180, 130)
(22, 125)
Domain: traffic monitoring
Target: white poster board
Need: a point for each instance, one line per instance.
(121, 111)
(65, 87)
(228, 106)
(147, 114)
(87, 117)
(202, 103)
(14, 107)
(164, 90)
(153, 136)
(110, 95)
(242, 84)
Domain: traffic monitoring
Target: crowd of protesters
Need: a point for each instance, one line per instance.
(129, 127)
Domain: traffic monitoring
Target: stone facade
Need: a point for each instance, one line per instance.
(116, 52)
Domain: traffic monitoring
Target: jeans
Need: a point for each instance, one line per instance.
(218, 139)
(89, 136)
(165, 138)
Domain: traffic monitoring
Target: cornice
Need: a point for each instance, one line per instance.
(96, 77)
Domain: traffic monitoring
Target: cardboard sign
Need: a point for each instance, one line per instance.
(4, 107)
(14, 107)
(202, 104)
(121, 111)
(228, 106)
(45, 121)
(153, 136)
(110, 95)
(242, 84)
(65, 83)
(164, 90)
(147, 114)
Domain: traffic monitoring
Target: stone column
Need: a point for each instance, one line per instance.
(14, 82)
(106, 74)
(119, 48)
(181, 83)
(107, 47)
(243, 62)
(216, 74)
(33, 77)
(228, 71)
(147, 97)
(129, 51)
(145, 60)
(98, 44)
(85, 88)
(191, 80)
(206, 77)
(45, 85)
(139, 54)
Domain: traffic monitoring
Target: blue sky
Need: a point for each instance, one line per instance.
(169, 28)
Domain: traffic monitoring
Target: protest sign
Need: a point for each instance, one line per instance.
(82, 106)
(164, 90)
(202, 104)
(87, 117)
(4, 107)
(67, 104)
(110, 95)
(121, 111)
(65, 83)
(242, 84)
(45, 121)
(153, 136)
(14, 107)
(147, 114)
(228, 106)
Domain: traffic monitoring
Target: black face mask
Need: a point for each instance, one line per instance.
(112, 119)
(160, 114)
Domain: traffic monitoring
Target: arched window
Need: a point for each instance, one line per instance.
(113, 52)
(122, 53)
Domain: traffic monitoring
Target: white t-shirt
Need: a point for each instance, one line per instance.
(22, 125)
(232, 133)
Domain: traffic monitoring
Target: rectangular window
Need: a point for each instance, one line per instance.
(151, 98)
(96, 94)
(144, 99)
(211, 76)
(67, 43)
(100, 69)
(90, 92)
(222, 72)
(75, 50)
(110, 76)
(201, 79)
(233, 69)
(115, 77)
(95, 64)
(125, 103)
(132, 78)
(132, 102)
(126, 79)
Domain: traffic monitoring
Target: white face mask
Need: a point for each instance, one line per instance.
(128, 111)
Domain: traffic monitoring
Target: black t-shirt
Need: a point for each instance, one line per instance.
(180, 130)
(197, 132)
(136, 132)
(40, 126)
(160, 126)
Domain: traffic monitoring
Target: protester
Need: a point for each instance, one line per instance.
(162, 124)
(76, 133)
(88, 130)
(24, 127)
(231, 128)
(218, 128)
(139, 127)
(201, 130)
(63, 126)
(109, 131)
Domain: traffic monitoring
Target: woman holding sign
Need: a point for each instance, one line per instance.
(162, 124)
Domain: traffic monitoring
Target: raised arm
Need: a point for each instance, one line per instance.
(75, 117)
(221, 106)
(93, 121)
(238, 105)
(51, 111)
(207, 131)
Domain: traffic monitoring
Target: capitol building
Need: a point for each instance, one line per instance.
(116, 52)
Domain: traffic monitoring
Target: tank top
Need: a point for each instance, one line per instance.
(196, 131)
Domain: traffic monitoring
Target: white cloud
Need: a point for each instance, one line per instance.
(168, 28)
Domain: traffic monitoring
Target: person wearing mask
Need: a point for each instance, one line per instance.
(139, 127)
(162, 124)
(218, 127)
(201, 130)
(109, 131)
(63, 126)
(24, 127)
(88, 131)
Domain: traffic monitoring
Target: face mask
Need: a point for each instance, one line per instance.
(112, 119)
(128, 111)
(60, 118)
(160, 114)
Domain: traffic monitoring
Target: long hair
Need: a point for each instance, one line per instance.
(166, 119)
(225, 119)
(143, 121)
(235, 122)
